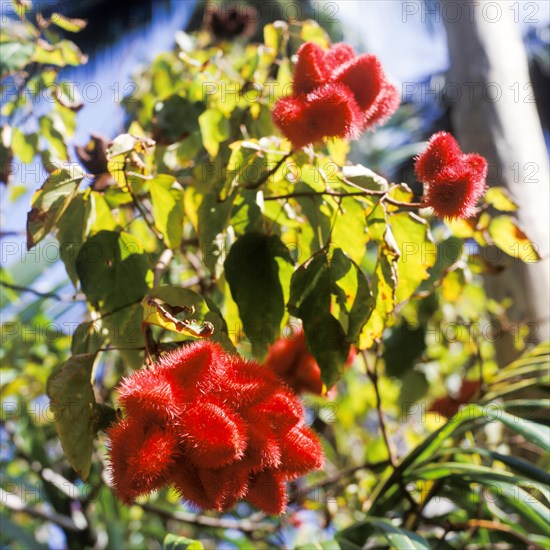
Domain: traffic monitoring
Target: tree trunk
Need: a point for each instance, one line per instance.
(495, 115)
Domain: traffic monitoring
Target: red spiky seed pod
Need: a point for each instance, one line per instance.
(228, 424)
(329, 111)
(454, 181)
(336, 94)
(290, 359)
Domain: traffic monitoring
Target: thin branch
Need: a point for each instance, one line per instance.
(317, 194)
(19, 288)
(365, 193)
(144, 213)
(162, 264)
(14, 503)
(268, 174)
(244, 525)
(116, 348)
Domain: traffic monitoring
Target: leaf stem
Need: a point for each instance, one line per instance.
(269, 173)
(365, 193)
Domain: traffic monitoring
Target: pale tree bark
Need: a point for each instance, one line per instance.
(496, 116)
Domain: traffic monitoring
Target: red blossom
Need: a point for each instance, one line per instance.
(454, 181)
(225, 426)
(335, 94)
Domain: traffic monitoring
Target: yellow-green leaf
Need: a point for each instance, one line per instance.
(313, 32)
(507, 235)
(157, 312)
(214, 129)
(418, 253)
(167, 200)
(500, 198)
(68, 24)
(164, 304)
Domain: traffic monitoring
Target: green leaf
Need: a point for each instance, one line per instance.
(213, 217)
(113, 270)
(383, 285)
(175, 118)
(73, 404)
(275, 36)
(418, 253)
(349, 230)
(310, 299)
(74, 227)
(214, 129)
(469, 415)
(51, 200)
(523, 503)
(175, 542)
(531, 431)
(15, 55)
(357, 536)
(515, 464)
(54, 130)
(61, 54)
(156, 312)
(364, 178)
(253, 277)
(167, 200)
(499, 198)
(312, 32)
(449, 252)
(25, 146)
(402, 348)
(353, 299)
(323, 545)
(507, 235)
(465, 472)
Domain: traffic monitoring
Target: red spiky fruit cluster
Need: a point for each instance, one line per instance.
(335, 94)
(290, 359)
(215, 426)
(454, 181)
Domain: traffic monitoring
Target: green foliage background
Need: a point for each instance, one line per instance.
(207, 207)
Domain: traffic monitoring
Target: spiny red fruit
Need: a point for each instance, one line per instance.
(327, 111)
(336, 94)
(141, 456)
(225, 426)
(442, 150)
(311, 69)
(454, 181)
(290, 359)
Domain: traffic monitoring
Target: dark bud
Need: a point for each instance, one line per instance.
(229, 22)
